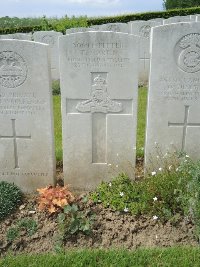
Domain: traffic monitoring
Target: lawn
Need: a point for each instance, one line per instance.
(142, 98)
(175, 256)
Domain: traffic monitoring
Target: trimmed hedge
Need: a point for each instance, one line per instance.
(65, 22)
(144, 16)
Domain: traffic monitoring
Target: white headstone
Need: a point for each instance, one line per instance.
(173, 120)
(78, 29)
(17, 36)
(115, 27)
(198, 18)
(157, 20)
(99, 106)
(143, 29)
(193, 17)
(50, 38)
(177, 19)
(26, 132)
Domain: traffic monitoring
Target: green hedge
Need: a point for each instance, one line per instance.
(21, 29)
(144, 16)
(66, 23)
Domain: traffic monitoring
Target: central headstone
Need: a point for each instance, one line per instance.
(173, 121)
(26, 132)
(99, 106)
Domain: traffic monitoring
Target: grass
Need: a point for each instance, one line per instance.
(176, 256)
(57, 127)
(141, 124)
(142, 98)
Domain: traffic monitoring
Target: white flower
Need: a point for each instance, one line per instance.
(165, 155)
(155, 199)
(160, 169)
(142, 148)
(156, 237)
(125, 209)
(185, 160)
(117, 166)
(170, 167)
(187, 156)
(155, 217)
(121, 194)
(109, 164)
(177, 169)
(153, 173)
(110, 184)
(155, 143)
(157, 157)
(117, 154)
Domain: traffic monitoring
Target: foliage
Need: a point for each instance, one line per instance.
(143, 16)
(191, 196)
(162, 194)
(165, 257)
(13, 25)
(170, 4)
(26, 224)
(10, 198)
(53, 199)
(73, 220)
(56, 87)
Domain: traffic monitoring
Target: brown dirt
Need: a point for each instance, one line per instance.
(111, 228)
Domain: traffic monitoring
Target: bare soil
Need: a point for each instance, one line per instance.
(111, 229)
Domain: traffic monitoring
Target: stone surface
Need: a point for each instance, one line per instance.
(17, 36)
(115, 27)
(50, 38)
(173, 122)
(78, 29)
(26, 133)
(99, 106)
(143, 29)
(157, 20)
(177, 19)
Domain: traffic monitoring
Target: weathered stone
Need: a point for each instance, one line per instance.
(143, 29)
(26, 133)
(17, 36)
(115, 27)
(174, 91)
(99, 106)
(177, 19)
(50, 38)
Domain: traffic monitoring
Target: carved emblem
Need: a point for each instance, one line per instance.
(48, 39)
(145, 31)
(187, 53)
(13, 69)
(100, 100)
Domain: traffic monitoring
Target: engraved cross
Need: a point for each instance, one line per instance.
(14, 136)
(145, 60)
(184, 125)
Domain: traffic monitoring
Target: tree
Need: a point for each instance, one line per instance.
(170, 4)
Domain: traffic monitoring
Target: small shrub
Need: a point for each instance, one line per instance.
(56, 87)
(10, 198)
(12, 234)
(53, 199)
(161, 195)
(29, 225)
(73, 220)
